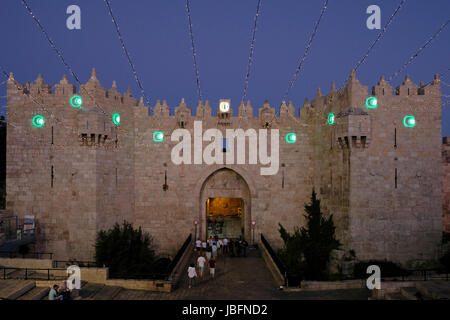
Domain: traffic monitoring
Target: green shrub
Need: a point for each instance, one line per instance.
(387, 268)
(307, 251)
(126, 251)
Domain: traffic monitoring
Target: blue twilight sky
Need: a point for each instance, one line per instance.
(156, 35)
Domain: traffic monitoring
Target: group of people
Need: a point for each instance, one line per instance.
(209, 250)
(59, 292)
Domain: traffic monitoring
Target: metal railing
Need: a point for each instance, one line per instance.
(81, 264)
(140, 276)
(31, 273)
(179, 254)
(29, 255)
(274, 256)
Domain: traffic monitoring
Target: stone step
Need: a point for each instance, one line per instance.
(107, 293)
(13, 289)
(410, 292)
(37, 293)
(90, 290)
(438, 290)
(395, 296)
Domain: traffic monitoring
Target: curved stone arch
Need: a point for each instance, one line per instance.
(207, 173)
(203, 195)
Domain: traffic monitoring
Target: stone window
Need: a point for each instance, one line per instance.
(224, 145)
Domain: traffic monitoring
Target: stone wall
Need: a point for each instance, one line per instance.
(80, 174)
(446, 184)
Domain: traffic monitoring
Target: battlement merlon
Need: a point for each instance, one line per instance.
(18, 93)
(353, 95)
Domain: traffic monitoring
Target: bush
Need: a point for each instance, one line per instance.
(388, 269)
(126, 251)
(307, 251)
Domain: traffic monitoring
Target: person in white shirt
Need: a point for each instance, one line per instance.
(192, 273)
(204, 246)
(220, 246)
(198, 245)
(201, 264)
(214, 250)
(225, 245)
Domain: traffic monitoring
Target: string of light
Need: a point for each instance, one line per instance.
(305, 54)
(33, 99)
(379, 36)
(194, 53)
(122, 42)
(58, 52)
(442, 27)
(252, 49)
(61, 57)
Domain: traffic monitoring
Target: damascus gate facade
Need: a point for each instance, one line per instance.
(377, 168)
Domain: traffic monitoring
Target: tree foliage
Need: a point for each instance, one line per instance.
(307, 251)
(125, 251)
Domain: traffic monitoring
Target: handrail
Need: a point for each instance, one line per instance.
(81, 264)
(179, 254)
(14, 254)
(28, 273)
(273, 255)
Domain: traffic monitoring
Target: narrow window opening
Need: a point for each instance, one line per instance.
(363, 141)
(99, 138)
(93, 137)
(87, 125)
(52, 177)
(408, 91)
(395, 137)
(383, 91)
(395, 178)
(52, 134)
(224, 145)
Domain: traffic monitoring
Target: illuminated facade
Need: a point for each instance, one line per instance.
(85, 169)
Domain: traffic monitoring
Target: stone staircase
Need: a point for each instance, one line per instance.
(13, 289)
(422, 290)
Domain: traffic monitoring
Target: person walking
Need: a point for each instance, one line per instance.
(208, 253)
(225, 245)
(204, 246)
(214, 250)
(231, 247)
(201, 265)
(212, 267)
(198, 245)
(220, 246)
(192, 273)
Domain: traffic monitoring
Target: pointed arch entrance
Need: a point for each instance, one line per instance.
(225, 205)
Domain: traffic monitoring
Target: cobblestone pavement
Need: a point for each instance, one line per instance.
(238, 278)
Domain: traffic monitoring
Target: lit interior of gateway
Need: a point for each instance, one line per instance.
(224, 217)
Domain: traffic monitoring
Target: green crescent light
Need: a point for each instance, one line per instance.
(331, 119)
(38, 121)
(291, 137)
(116, 119)
(409, 121)
(158, 136)
(76, 101)
(371, 102)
